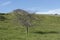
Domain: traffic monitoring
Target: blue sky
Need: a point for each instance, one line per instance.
(33, 5)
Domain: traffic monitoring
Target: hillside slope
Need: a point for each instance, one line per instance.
(46, 27)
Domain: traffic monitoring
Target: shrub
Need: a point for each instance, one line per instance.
(2, 18)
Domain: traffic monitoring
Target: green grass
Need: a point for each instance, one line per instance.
(42, 30)
(47, 27)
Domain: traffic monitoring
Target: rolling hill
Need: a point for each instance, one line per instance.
(45, 27)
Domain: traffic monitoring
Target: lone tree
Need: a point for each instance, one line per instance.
(25, 18)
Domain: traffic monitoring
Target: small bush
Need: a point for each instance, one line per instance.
(2, 18)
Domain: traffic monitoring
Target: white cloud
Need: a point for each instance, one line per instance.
(50, 12)
(5, 3)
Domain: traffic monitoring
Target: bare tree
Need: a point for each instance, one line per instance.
(25, 19)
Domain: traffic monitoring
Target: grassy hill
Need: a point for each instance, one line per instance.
(47, 27)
